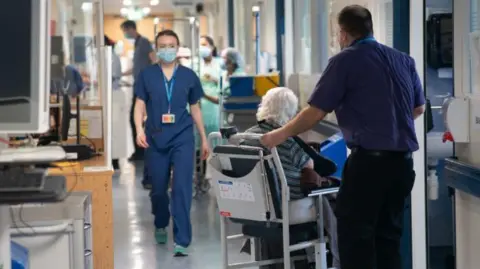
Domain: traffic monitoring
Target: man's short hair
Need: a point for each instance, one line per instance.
(129, 25)
(356, 20)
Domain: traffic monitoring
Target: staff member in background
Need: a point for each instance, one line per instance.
(233, 65)
(210, 74)
(116, 64)
(164, 91)
(184, 56)
(142, 57)
(376, 94)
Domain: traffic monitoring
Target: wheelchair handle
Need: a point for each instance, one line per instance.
(234, 139)
(251, 136)
(213, 136)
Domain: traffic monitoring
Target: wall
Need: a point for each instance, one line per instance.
(145, 27)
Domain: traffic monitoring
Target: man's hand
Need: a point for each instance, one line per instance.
(142, 139)
(205, 150)
(273, 138)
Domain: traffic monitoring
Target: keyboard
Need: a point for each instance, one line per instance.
(45, 154)
(20, 180)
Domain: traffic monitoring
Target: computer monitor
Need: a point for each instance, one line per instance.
(25, 66)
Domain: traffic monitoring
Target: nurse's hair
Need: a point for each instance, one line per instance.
(167, 33)
(279, 105)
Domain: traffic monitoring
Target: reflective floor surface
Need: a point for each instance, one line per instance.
(135, 246)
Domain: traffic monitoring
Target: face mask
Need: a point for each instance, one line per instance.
(205, 51)
(167, 55)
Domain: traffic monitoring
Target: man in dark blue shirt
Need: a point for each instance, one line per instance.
(376, 94)
(143, 56)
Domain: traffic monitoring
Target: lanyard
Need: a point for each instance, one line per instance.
(168, 89)
(364, 40)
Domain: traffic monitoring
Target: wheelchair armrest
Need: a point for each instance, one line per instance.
(323, 192)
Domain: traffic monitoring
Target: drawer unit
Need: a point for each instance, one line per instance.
(75, 213)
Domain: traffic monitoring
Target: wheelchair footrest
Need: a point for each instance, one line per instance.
(298, 233)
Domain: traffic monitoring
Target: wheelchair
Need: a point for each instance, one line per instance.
(251, 189)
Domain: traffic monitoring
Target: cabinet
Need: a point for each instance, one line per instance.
(57, 235)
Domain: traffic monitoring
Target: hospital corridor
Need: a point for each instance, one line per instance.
(135, 247)
(229, 134)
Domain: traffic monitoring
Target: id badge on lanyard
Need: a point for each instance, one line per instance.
(169, 118)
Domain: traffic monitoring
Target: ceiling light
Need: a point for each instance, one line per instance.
(127, 2)
(146, 10)
(154, 2)
(124, 11)
(87, 6)
(156, 20)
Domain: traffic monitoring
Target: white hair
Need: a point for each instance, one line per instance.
(278, 105)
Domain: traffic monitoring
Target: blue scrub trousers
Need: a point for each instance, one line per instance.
(179, 156)
(146, 179)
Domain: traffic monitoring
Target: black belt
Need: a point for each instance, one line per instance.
(382, 153)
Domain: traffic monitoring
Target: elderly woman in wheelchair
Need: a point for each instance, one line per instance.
(266, 190)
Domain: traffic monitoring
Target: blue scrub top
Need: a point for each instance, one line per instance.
(187, 90)
(373, 90)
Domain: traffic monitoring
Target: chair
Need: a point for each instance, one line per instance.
(252, 190)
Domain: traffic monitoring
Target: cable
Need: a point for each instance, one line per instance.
(20, 213)
(90, 141)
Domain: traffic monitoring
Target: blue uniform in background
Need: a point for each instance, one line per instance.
(374, 90)
(171, 145)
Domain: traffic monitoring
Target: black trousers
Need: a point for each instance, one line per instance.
(370, 208)
(138, 154)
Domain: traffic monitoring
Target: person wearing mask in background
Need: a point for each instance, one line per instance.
(163, 93)
(376, 94)
(210, 74)
(232, 63)
(119, 101)
(184, 56)
(143, 56)
(116, 64)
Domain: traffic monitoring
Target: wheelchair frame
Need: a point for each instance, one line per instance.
(319, 244)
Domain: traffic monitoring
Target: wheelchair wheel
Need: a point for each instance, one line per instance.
(205, 186)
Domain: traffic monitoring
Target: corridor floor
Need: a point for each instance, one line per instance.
(135, 246)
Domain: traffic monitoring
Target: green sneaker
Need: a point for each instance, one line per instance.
(180, 251)
(161, 236)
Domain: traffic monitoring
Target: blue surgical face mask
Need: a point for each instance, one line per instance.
(205, 51)
(167, 55)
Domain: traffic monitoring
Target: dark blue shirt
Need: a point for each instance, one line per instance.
(373, 90)
(72, 84)
(187, 90)
(141, 55)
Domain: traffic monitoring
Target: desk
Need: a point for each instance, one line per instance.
(464, 179)
(94, 177)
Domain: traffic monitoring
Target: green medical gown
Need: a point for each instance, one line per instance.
(210, 111)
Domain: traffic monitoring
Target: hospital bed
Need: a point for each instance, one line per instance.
(252, 190)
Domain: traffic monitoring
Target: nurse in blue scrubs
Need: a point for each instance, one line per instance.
(169, 94)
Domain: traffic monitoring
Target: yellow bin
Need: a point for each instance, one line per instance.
(263, 83)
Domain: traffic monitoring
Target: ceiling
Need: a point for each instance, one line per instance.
(114, 6)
